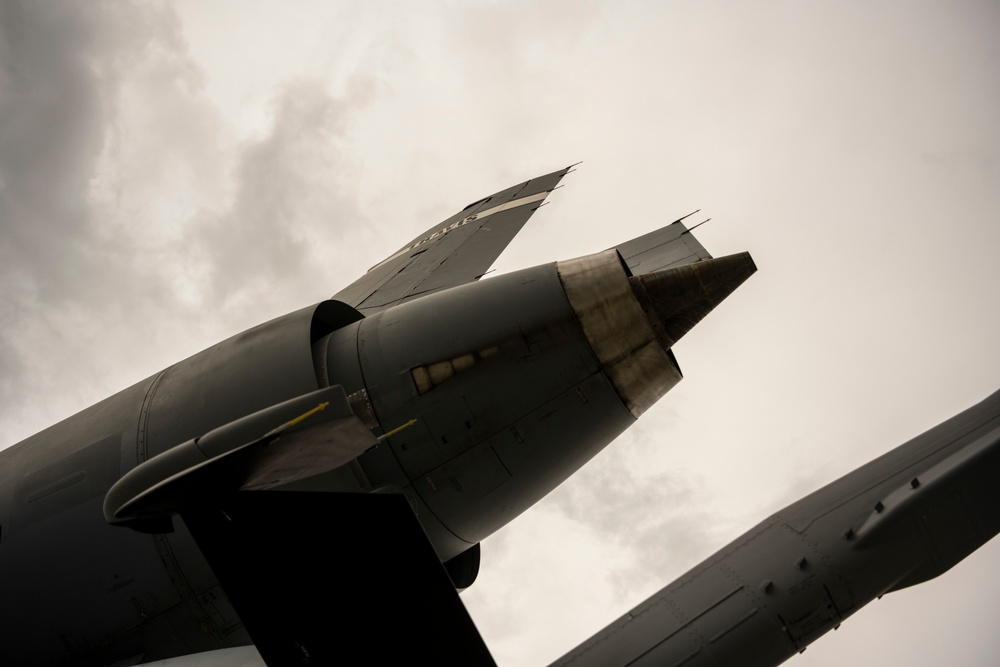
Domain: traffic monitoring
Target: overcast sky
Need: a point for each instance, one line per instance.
(171, 174)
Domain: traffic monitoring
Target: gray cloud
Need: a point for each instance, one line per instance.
(125, 197)
(61, 67)
(51, 129)
(653, 516)
(292, 191)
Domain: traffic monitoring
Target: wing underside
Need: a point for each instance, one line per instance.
(456, 251)
(665, 248)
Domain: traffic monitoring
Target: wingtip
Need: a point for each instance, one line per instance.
(694, 227)
(685, 217)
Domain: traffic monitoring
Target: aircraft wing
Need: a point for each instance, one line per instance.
(665, 248)
(456, 251)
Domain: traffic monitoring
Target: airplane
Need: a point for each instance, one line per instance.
(315, 489)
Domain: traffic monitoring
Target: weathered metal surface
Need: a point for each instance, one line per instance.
(618, 329)
(677, 299)
(664, 248)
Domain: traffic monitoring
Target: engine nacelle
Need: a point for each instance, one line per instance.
(514, 382)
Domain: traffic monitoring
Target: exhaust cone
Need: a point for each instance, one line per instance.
(632, 321)
(677, 299)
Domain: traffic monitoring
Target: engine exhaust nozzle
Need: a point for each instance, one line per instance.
(677, 299)
(631, 322)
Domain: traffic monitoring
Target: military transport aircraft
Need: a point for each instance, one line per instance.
(314, 490)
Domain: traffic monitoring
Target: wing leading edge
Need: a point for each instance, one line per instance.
(456, 251)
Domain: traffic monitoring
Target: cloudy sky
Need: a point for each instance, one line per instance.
(171, 174)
